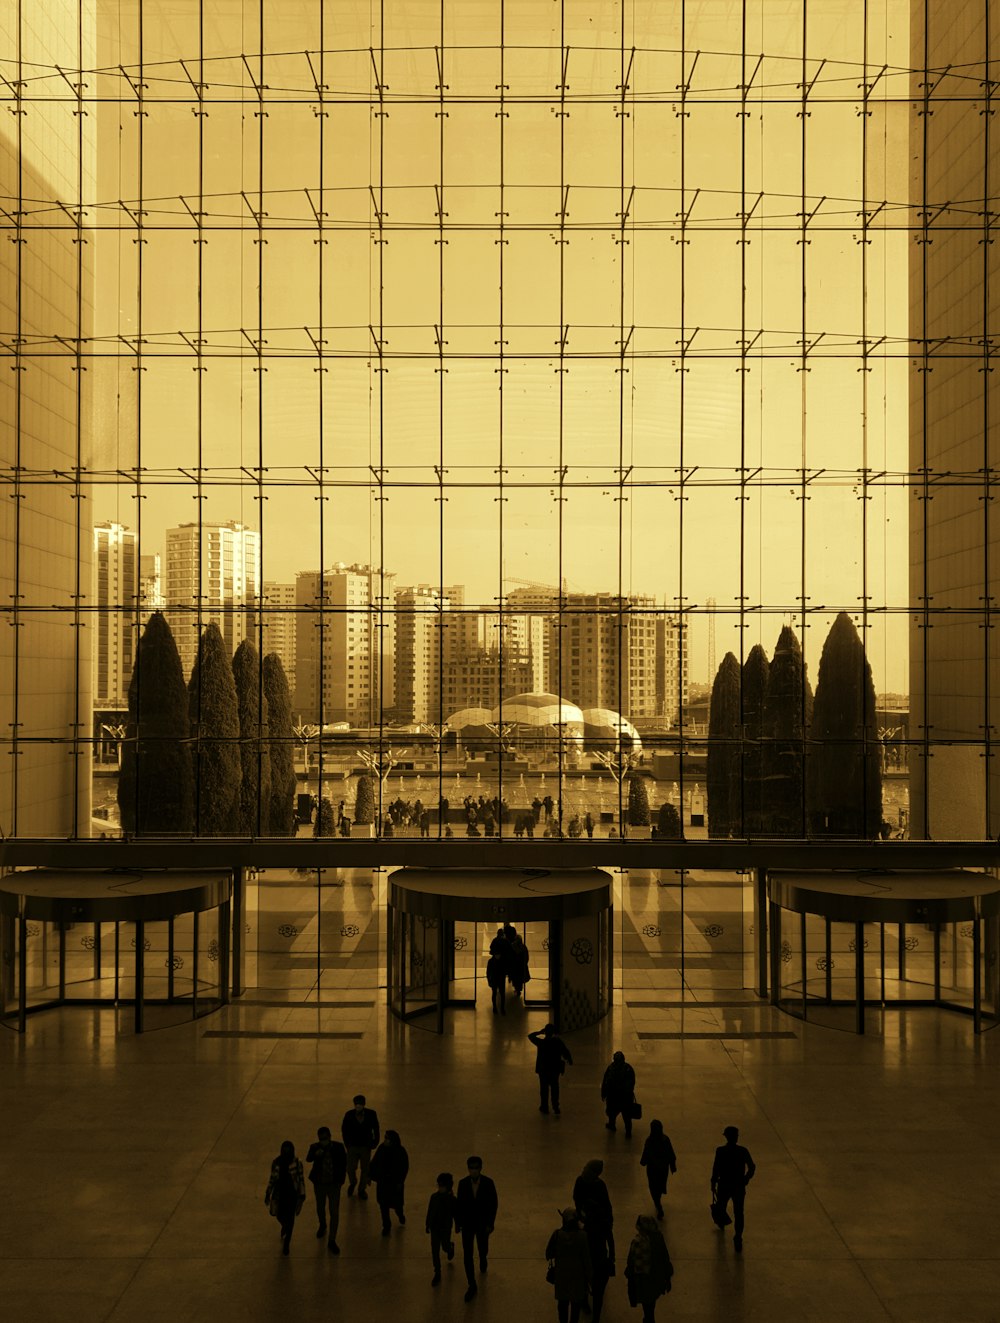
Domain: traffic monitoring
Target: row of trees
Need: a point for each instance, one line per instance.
(785, 762)
(213, 757)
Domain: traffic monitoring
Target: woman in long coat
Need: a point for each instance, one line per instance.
(286, 1191)
(389, 1168)
(659, 1159)
(570, 1255)
(649, 1269)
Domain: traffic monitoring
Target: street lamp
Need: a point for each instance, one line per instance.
(619, 765)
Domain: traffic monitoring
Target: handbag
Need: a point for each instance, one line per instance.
(636, 1110)
(550, 1273)
(719, 1215)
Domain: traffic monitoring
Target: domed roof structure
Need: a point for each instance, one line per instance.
(604, 729)
(472, 728)
(540, 719)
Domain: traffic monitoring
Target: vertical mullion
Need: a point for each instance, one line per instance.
(623, 658)
(321, 371)
(562, 370)
(868, 719)
(986, 371)
(18, 492)
(681, 431)
(79, 467)
(924, 369)
(804, 370)
(501, 373)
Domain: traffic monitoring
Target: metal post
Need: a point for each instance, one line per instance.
(774, 924)
(802, 965)
(760, 928)
(859, 976)
(140, 966)
(829, 963)
(194, 976)
(937, 964)
(170, 958)
(238, 983)
(977, 988)
(22, 971)
(62, 962)
(442, 990)
(222, 936)
(610, 973)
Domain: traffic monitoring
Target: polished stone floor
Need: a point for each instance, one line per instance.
(134, 1168)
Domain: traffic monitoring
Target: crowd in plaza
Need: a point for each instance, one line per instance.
(580, 1252)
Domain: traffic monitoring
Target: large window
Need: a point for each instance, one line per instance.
(475, 355)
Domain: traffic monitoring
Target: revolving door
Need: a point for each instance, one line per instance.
(441, 922)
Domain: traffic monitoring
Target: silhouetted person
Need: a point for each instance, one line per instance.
(593, 1203)
(328, 1172)
(649, 1269)
(536, 808)
(496, 977)
(518, 963)
(360, 1132)
(551, 1054)
(732, 1172)
(588, 825)
(548, 804)
(389, 1168)
(659, 1159)
(476, 1209)
(286, 1191)
(618, 1092)
(569, 1253)
(441, 1212)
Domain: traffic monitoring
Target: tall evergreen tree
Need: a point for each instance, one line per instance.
(215, 735)
(155, 785)
(787, 714)
(255, 756)
(723, 772)
(638, 801)
(755, 671)
(364, 802)
(845, 783)
(281, 743)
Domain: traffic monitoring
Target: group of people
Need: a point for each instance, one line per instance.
(580, 1252)
(508, 963)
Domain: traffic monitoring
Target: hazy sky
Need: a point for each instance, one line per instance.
(472, 424)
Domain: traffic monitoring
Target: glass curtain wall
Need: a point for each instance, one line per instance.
(547, 388)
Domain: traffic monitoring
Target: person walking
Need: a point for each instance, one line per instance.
(496, 978)
(536, 808)
(593, 1203)
(442, 1209)
(518, 963)
(389, 1168)
(360, 1133)
(649, 1270)
(476, 1215)
(286, 1191)
(328, 1172)
(551, 1055)
(618, 1092)
(660, 1160)
(588, 825)
(732, 1172)
(568, 1252)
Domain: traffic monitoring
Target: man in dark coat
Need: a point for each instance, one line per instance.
(329, 1168)
(389, 1169)
(551, 1053)
(360, 1132)
(618, 1092)
(593, 1203)
(732, 1172)
(475, 1217)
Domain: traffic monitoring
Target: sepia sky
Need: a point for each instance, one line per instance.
(567, 431)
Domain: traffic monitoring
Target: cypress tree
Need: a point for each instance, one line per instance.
(755, 672)
(723, 770)
(638, 802)
(323, 824)
(156, 786)
(255, 756)
(364, 802)
(215, 735)
(845, 783)
(787, 713)
(668, 822)
(281, 745)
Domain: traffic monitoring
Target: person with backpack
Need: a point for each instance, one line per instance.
(328, 1173)
(649, 1270)
(286, 1191)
